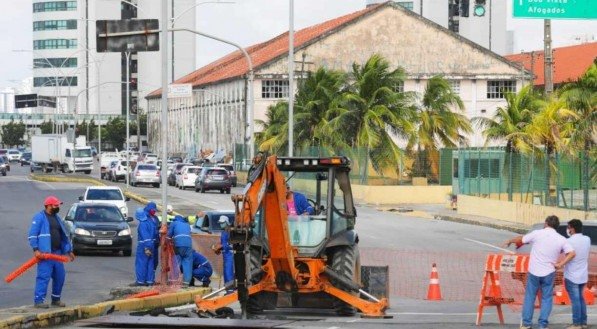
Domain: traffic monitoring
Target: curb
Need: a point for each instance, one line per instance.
(515, 229)
(79, 312)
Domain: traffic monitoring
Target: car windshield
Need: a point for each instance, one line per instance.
(27, 155)
(13, 152)
(3, 151)
(193, 170)
(123, 163)
(82, 153)
(146, 167)
(229, 168)
(97, 194)
(217, 172)
(98, 214)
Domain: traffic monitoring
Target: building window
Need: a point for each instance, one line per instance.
(53, 81)
(497, 89)
(70, 24)
(455, 85)
(55, 44)
(482, 168)
(43, 63)
(399, 87)
(41, 7)
(274, 88)
(406, 4)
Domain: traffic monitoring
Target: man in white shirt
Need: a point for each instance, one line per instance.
(576, 273)
(547, 245)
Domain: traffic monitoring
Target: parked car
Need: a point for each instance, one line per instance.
(145, 174)
(118, 171)
(106, 194)
(26, 159)
(149, 158)
(99, 227)
(209, 222)
(13, 155)
(3, 152)
(176, 159)
(187, 177)
(231, 172)
(213, 178)
(176, 171)
(3, 169)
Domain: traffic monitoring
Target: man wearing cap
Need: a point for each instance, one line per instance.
(225, 248)
(48, 235)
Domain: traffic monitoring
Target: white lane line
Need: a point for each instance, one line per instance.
(437, 314)
(48, 184)
(490, 245)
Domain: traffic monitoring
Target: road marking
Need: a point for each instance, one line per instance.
(438, 314)
(48, 184)
(490, 245)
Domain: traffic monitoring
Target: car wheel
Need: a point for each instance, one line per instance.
(202, 189)
(180, 187)
(4, 173)
(127, 253)
(196, 189)
(156, 185)
(228, 191)
(221, 191)
(87, 172)
(103, 176)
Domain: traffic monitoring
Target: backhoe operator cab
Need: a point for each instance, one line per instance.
(299, 260)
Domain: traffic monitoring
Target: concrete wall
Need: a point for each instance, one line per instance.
(516, 212)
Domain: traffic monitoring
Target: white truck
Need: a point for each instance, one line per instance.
(105, 159)
(51, 151)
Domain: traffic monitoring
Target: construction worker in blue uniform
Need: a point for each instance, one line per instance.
(48, 235)
(151, 211)
(202, 269)
(180, 232)
(225, 248)
(144, 258)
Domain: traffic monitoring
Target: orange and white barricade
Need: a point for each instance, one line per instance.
(491, 292)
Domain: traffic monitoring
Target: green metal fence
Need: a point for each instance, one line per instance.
(555, 180)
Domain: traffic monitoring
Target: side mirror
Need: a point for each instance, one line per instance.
(130, 219)
(127, 199)
(68, 219)
(205, 229)
(81, 198)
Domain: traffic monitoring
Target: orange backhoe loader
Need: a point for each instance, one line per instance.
(310, 259)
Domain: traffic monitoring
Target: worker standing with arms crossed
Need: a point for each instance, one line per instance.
(576, 273)
(48, 235)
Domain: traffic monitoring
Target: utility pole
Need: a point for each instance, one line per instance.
(291, 80)
(548, 57)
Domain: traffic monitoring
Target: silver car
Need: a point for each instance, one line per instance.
(145, 174)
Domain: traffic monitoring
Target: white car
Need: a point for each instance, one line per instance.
(106, 194)
(106, 159)
(150, 158)
(118, 171)
(13, 155)
(187, 177)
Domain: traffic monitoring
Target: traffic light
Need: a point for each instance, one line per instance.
(479, 9)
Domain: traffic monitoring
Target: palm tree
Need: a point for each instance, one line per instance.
(274, 136)
(436, 122)
(315, 96)
(581, 97)
(511, 119)
(369, 111)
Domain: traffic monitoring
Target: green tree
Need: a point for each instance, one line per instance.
(115, 132)
(274, 135)
(438, 120)
(47, 127)
(12, 133)
(581, 97)
(511, 119)
(369, 111)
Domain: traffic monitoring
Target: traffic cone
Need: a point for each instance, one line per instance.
(434, 292)
(589, 297)
(561, 296)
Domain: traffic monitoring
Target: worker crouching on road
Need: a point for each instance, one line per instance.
(145, 257)
(48, 235)
(225, 248)
(180, 232)
(202, 270)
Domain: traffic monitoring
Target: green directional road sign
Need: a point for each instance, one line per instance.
(554, 9)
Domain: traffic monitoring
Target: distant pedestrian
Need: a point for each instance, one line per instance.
(48, 235)
(547, 245)
(151, 210)
(202, 269)
(144, 258)
(180, 232)
(576, 273)
(225, 248)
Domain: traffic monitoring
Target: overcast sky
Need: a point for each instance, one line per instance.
(251, 21)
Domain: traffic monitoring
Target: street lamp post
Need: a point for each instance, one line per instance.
(291, 79)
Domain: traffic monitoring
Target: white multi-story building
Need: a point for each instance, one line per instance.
(481, 21)
(66, 64)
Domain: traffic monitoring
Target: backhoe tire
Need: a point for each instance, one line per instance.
(263, 300)
(346, 263)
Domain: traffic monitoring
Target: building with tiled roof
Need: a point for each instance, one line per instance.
(569, 62)
(215, 116)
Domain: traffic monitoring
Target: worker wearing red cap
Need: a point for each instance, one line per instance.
(48, 235)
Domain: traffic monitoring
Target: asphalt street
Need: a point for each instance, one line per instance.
(88, 279)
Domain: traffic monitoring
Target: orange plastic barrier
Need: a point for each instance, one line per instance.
(144, 294)
(491, 293)
(562, 298)
(28, 264)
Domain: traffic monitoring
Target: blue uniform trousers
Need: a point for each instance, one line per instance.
(228, 266)
(203, 273)
(46, 270)
(184, 255)
(144, 268)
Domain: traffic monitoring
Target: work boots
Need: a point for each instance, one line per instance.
(58, 303)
